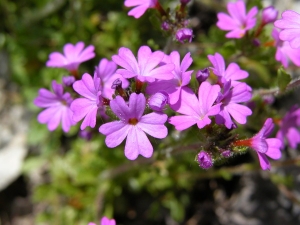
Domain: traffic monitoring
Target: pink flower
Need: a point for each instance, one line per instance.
(57, 106)
(87, 107)
(238, 22)
(146, 68)
(233, 71)
(141, 7)
(230, 107)
(73, 56)
(290, 23)
(284, 51)
(133, 125)
(197, 111)
(105, 221)
(262, 145)
(288, 127)
(181, 78)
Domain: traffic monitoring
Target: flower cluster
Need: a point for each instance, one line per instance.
(237, 22)
(132, 97)
(139, 91)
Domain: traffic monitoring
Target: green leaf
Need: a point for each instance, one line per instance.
(283, 79)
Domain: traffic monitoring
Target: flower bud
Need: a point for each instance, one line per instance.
(184, 1)
(269, 15)
(256, 42)
(165, 25)
(204, 160)
(158, 101)
(84, 134)
(184, 34)
(116, 84)
(202, 75)
(268, 99)
(226, 153)
(68, 80)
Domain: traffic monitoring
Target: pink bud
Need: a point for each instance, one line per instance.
(184, 34)
(204, 160)
(68, 80)
(269, 15)
(158, 101)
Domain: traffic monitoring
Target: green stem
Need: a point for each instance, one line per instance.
(275, 91)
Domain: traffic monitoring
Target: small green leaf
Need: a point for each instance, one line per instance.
(283, 79)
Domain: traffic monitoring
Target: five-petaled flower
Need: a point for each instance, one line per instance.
(230, 99)
(197, 111)
(73, 56)
(232, 73)
(57, 106)
(262, 145)
(290, 25)
(181, 78)
(146, 68)
(133, 125)
(238, 22)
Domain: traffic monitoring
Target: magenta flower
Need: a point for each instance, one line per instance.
(57, 106)
(106, 71)
(133, 125)
(73, 56)
(233, 71)
(105, 221)
(197, 111)
(264, 146)
(146, 68)
(288, 127)
(230, 107)
(141, 7)
(290, 23)
(184, 34)
(181, 78)
(87, 107)
(284, 51)
(237, 22)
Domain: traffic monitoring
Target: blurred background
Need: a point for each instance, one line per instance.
(59, 178)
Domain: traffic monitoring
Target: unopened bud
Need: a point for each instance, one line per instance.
(226, 153)
(158, 101)
(68, 80)
(269, 15)
(184, 1)
(204, 160)
(202, 75)
(256, 42)
(116, 84)
(184, 34)
(165, 25)
(84, 134)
